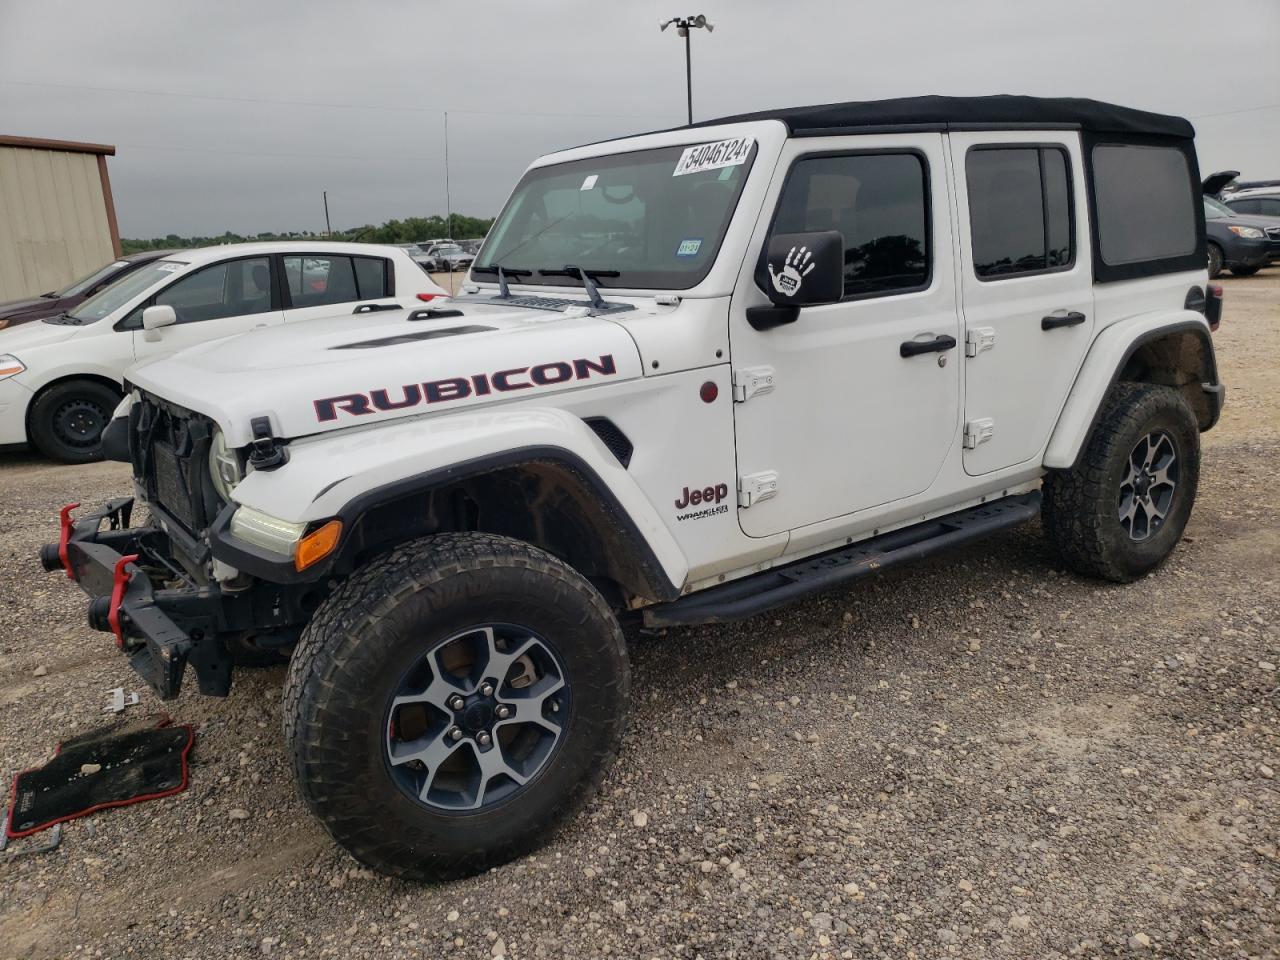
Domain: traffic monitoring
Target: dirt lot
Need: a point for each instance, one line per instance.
(983, 757)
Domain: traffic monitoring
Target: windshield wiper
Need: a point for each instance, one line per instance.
(585, 275)
(503, 273)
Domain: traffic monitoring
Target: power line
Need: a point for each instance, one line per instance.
(322, 103)
(1227, 113)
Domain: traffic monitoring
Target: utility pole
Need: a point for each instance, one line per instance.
(683, 26)
(448, 202)
(327, 231)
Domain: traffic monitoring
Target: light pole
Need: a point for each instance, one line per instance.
(683, 25)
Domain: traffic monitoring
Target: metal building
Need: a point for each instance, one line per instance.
(57, 219)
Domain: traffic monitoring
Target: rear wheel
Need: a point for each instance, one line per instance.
(1121, 509)
(66, 421)
(453, 702)
(1215, 260)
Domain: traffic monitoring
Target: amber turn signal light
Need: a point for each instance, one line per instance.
(317, 545)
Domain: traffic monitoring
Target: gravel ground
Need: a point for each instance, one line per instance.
(979, 757)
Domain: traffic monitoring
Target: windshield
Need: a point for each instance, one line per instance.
(92, 280)
(1214, 210)
(125, 289)
(657, 217)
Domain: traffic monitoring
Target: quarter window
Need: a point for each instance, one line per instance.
(1019, 210)
(1146, 207)
(877, 202)
(234, 288)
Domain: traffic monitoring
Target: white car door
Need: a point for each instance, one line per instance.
(220, 300)
(851, 419)
(1027, 284)
(328, 285)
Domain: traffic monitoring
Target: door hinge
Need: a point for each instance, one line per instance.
(756, 487)
(978, 339)
(978, 431)
(749, 382)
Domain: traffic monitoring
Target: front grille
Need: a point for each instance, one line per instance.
(169, 446)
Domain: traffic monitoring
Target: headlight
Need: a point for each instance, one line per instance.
(263, 530)
(1249, 233)
(10, 366)
(224, 466)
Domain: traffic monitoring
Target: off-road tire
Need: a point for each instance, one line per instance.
(1216, 260)
(1244, 271)
(50, 427)
(1080, 508)
(364, 637)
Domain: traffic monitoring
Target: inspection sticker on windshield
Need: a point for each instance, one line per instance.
(713, 156)
(689, 248)
(590, 182)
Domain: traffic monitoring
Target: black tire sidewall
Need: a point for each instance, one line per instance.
(45, 407)
(1158, 409)
(362, 798)
(1215, 261)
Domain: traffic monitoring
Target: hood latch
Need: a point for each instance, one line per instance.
(264, 454)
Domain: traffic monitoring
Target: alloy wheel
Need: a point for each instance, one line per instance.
(476, 718)
(1149, 484)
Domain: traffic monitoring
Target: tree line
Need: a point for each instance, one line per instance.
(409, 230)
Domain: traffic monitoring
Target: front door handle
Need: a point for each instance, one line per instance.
(938, 344)
(1072, 319)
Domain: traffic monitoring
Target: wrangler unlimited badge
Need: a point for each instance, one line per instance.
(459, 388)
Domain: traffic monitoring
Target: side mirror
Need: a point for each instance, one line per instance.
(153, 318)
(805, 269)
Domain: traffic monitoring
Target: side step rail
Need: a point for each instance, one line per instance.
(773, 588)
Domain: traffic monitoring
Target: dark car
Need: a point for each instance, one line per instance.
(56, 302)
(1237, 242)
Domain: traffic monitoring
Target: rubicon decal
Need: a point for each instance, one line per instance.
(384, 399)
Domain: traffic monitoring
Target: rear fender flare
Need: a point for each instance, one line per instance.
(1105, 363)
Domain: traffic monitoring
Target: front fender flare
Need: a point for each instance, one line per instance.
(347, 474)
(1102, 367)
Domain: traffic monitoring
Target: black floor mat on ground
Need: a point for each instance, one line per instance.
(137, 762)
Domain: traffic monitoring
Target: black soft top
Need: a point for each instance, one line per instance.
(960, 113)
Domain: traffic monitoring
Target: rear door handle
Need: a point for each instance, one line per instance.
(1072, 319)
(938, 344)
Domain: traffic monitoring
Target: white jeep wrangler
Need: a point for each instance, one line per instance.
(695, 374)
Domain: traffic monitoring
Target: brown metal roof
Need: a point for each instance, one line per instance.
(68, 146)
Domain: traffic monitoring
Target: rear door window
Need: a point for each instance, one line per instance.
(314, 281)
(1019, 210)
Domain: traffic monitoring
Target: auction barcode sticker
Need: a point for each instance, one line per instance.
(713, 156)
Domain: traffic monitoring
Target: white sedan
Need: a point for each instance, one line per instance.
(61, 378)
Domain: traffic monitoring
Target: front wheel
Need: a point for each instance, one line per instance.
(453, 702)
(66, 421)
(1120, 511)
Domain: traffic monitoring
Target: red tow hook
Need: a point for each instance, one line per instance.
(64, 518)
(119, 583)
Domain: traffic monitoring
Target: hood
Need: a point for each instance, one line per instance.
(1212, 184)
(354, 370)
(30, 308)
(28, 336)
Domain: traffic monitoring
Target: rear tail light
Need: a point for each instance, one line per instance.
(427, 297)
(1207, 302)
(1213, 306)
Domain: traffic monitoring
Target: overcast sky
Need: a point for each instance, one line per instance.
(236, 114)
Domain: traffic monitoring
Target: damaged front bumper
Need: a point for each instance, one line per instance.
(160, 619)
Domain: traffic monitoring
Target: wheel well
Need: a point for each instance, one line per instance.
(71, 378)
(548, 504)
(1179, 358)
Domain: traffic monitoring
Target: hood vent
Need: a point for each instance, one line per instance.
(412, 337)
